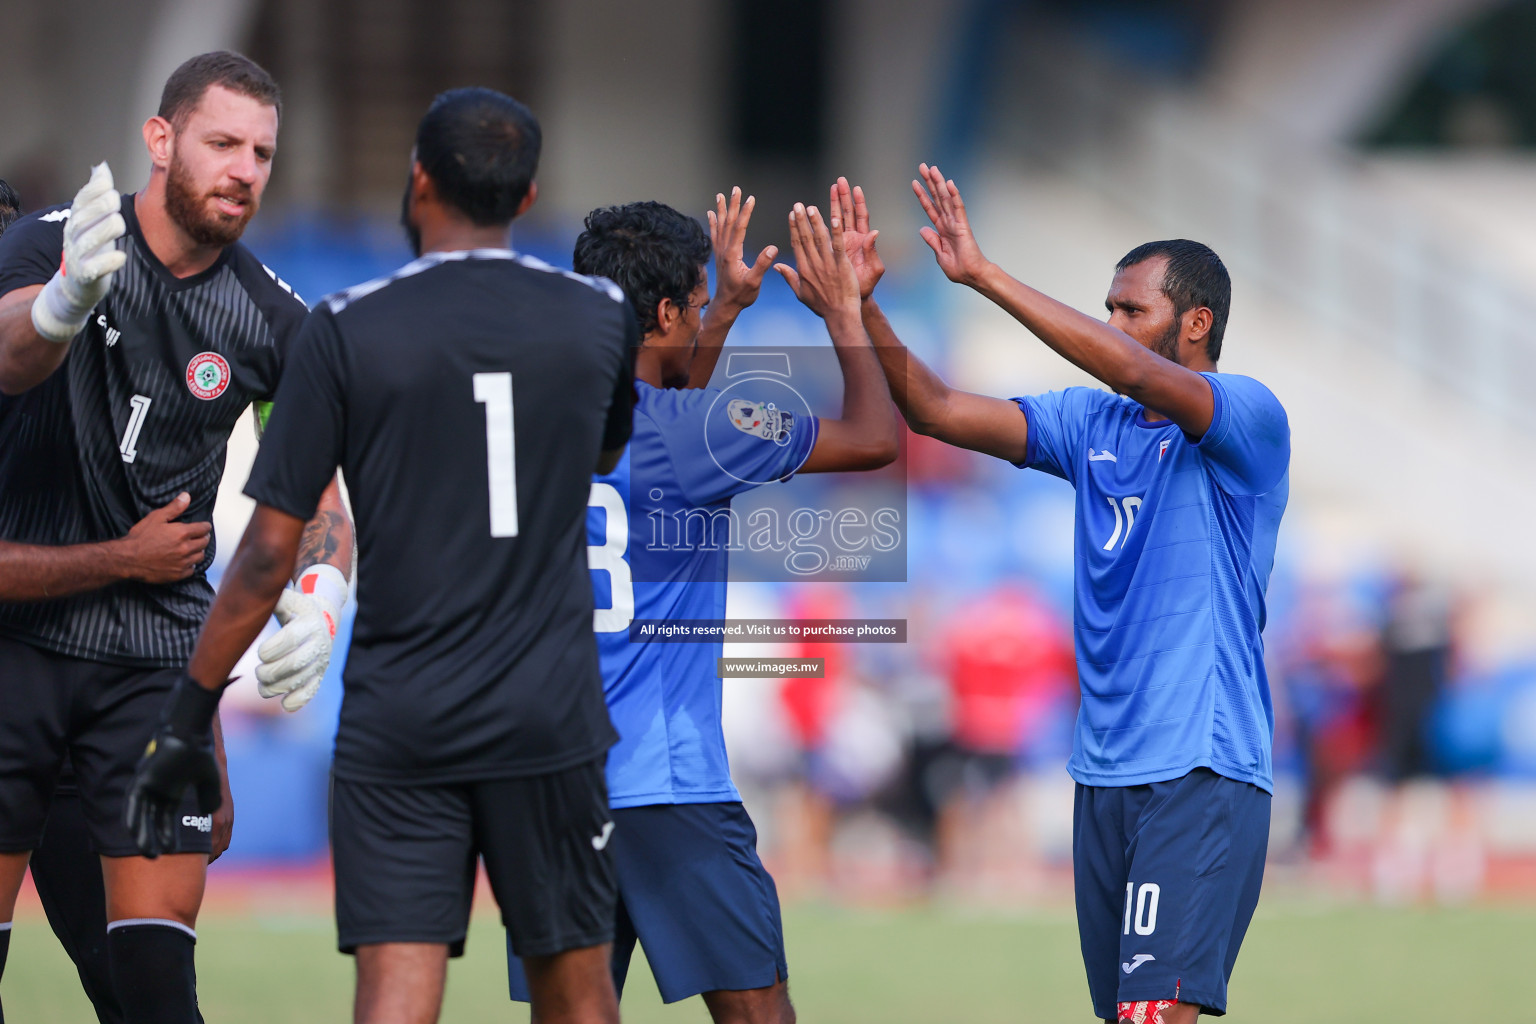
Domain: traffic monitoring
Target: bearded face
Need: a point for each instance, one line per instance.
(212, 214)
(1167, 345)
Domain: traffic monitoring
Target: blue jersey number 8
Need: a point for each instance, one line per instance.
(609, 557)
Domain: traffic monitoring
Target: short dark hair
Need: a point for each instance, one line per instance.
(480, 147)
(10, 205)
(1194, 277)
(234, 71)
(649, 250)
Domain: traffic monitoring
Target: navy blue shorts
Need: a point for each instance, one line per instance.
(694, 893)
(1167, 877)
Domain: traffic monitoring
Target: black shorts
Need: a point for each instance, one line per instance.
(405, 859)
(101, 716)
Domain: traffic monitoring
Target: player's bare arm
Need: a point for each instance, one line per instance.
(931, 407)
(736, 283)
(224, 818)
(38, 322)
(1117, 353)
(294, 661)
(865, 437)
(257, 575)
(158, 549)
(25, 357)
(327, 537)
(180, 754)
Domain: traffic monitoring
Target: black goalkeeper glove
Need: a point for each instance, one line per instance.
(180, 754)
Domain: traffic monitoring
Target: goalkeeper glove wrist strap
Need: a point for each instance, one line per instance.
(325, 583)
(53, 314)
(190, 711)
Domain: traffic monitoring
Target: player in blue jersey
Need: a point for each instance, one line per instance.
(1181, 475)
(691, 887)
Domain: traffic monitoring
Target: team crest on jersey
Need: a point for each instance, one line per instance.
(766, 421)
(1162, 446)
(207, 375)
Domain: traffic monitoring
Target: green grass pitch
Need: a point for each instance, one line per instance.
(1328, 964)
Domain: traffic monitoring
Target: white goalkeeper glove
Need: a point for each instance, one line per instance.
(90, 258)
(294, 660)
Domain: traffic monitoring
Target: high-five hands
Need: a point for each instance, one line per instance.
(823, 277)
(950, 237)
(851, 241)
(91, 257)
(860, 241)
(736, 283)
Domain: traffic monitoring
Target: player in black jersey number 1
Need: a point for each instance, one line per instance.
(468, 397)
(134, 332)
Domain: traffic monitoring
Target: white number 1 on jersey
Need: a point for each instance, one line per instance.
(494, 391)
(129, 446)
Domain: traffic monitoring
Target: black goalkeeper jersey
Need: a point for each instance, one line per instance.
(140, 410)
(466, 399)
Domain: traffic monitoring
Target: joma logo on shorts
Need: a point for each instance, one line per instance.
(202, 824)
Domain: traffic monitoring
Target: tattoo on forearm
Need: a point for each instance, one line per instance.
(322, 539)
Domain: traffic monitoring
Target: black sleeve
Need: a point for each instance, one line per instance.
(283, 310)
(621, 411)
(306, 434)
(30, 250)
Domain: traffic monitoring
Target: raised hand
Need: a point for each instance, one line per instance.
(91, 257)
(160, 549)
(950, 237)
(822, 278)
(736, 283)
(859, 239)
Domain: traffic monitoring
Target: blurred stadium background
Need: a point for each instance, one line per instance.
(1366, 169)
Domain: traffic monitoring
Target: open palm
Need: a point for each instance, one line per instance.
(736, 281)
(950, 237)
(859, 239)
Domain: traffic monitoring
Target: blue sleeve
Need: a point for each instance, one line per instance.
(1248, 444)
(721, 446)
(1055, 427)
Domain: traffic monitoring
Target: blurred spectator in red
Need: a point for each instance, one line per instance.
(810, 705)
(1329, 669)
(1009, 660)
